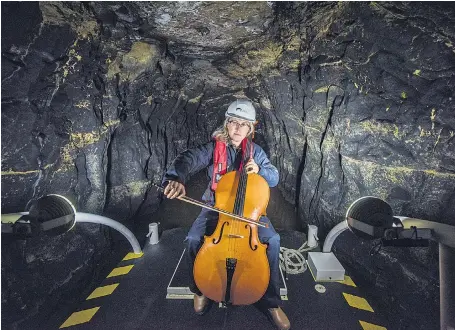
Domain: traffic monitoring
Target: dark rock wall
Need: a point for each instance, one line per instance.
(354, 99)
(370, 112)
(45, 126)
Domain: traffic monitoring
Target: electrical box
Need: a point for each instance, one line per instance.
(324, 266)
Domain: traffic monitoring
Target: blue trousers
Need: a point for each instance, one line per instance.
(205, 224)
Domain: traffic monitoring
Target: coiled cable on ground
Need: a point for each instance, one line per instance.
(292, 261)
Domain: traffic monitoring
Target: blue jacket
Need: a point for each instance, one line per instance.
(193, 160)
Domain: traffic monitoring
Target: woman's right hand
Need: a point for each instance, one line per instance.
(174, 189)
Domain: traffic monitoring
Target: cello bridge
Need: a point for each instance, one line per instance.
(235, 236)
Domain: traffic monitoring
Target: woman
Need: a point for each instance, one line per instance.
(239, 123)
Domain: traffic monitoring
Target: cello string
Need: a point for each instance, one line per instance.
(243, 183)
(236, 211)
(231, 223)
(240, 193)
(239, 203)
(239, 199)
(248, 156)
(233, 231)
(245, 177)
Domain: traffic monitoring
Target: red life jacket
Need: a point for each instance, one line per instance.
(220, 160)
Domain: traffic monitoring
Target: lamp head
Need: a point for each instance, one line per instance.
(371, 211)
(52, 215)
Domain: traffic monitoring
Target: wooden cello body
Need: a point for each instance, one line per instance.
(232, 265)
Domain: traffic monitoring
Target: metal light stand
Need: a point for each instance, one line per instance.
(445, 236)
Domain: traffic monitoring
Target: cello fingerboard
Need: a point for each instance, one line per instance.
(241, 189)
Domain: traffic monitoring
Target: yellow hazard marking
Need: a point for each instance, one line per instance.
(120, 271)
(133, 255)
(369, 326)
(103, 291)
(348, 281)
(80, 317)
(357, 302)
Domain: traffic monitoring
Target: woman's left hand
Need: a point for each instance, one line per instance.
(251, 166)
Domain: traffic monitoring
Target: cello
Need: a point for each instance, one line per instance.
(232, 266)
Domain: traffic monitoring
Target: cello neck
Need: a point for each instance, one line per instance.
(247, 146)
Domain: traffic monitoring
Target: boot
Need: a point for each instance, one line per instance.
(277, 317)
(201, 304)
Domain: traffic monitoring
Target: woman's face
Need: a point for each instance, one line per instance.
(238, 129)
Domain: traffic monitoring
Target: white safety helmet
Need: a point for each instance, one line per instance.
(242, 109)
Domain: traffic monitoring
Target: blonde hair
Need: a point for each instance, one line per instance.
(222, 133)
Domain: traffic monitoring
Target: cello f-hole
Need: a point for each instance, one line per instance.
(215, 241)
(251, 236)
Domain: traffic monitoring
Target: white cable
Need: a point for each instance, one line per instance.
(292, 261)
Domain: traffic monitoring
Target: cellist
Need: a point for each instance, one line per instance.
(225, 151)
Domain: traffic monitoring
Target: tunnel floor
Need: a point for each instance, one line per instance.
(135, 296)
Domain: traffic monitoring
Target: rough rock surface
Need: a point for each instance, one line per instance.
(354, 99)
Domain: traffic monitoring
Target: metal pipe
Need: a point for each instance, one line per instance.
(447, 286)
(333, 234)
(93, 218)
(442, 233)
